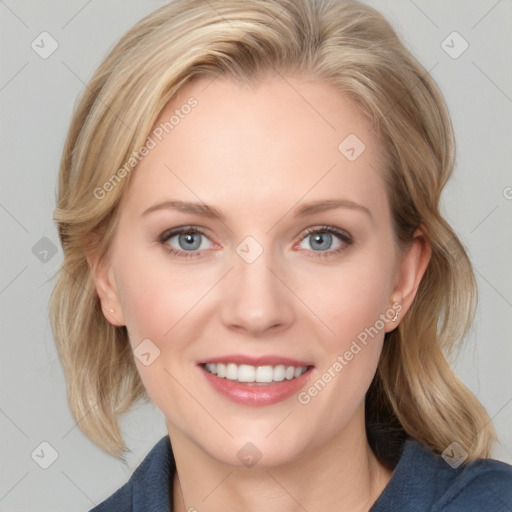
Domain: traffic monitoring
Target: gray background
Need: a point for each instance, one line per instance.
(36, 100)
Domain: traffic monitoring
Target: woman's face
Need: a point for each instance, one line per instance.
(286, 258)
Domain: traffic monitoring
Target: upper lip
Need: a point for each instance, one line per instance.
(266, 360)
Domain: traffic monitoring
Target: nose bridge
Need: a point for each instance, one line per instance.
(256, 300)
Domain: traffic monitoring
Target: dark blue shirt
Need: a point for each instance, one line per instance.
(422, 481)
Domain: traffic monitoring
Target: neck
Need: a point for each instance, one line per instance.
(341, 475)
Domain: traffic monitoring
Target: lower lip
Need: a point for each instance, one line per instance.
(254, 394)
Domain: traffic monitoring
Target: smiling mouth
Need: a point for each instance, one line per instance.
(247, 374)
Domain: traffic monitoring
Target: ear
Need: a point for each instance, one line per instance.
(408, 275)
(106, 287)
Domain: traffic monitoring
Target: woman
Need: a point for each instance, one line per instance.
(249, 211)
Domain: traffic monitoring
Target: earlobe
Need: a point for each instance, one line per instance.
(106, 288)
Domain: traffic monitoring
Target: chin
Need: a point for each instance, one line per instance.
(245, 454)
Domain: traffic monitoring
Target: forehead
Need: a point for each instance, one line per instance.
(280, 139)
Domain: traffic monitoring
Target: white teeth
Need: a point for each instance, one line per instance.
(221, 370)
(210, 367)
(246, 373)
(261, 374)
(232, 371)
(278, 373)
(264, 374)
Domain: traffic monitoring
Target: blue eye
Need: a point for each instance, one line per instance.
(321, 240)
(190, 242)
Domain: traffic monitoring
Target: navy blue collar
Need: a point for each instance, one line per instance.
(152, 480)
(422, 481)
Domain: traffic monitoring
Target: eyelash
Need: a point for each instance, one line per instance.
(344, 237)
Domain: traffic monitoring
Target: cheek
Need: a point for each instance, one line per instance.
(156, 296)
(156, 300)
(356, 309)
(351, 307)
(349, 299)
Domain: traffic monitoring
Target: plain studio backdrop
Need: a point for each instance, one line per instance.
(466, 48)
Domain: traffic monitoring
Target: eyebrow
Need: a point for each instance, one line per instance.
(304, 210)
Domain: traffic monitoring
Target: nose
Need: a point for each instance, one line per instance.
(257, 299)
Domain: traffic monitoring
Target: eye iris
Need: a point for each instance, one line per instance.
(319, 238)
(189, 242)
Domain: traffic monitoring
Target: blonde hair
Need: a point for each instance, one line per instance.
(415, 392)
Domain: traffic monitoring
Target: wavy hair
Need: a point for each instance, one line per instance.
(414, 392)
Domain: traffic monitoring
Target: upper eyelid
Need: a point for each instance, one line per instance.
(330, 229)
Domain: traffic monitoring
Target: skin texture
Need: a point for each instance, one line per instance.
(256, 154)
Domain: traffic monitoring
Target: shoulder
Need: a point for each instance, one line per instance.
(481, 485)
(148, 486)
(427, 482)
(120, 501)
